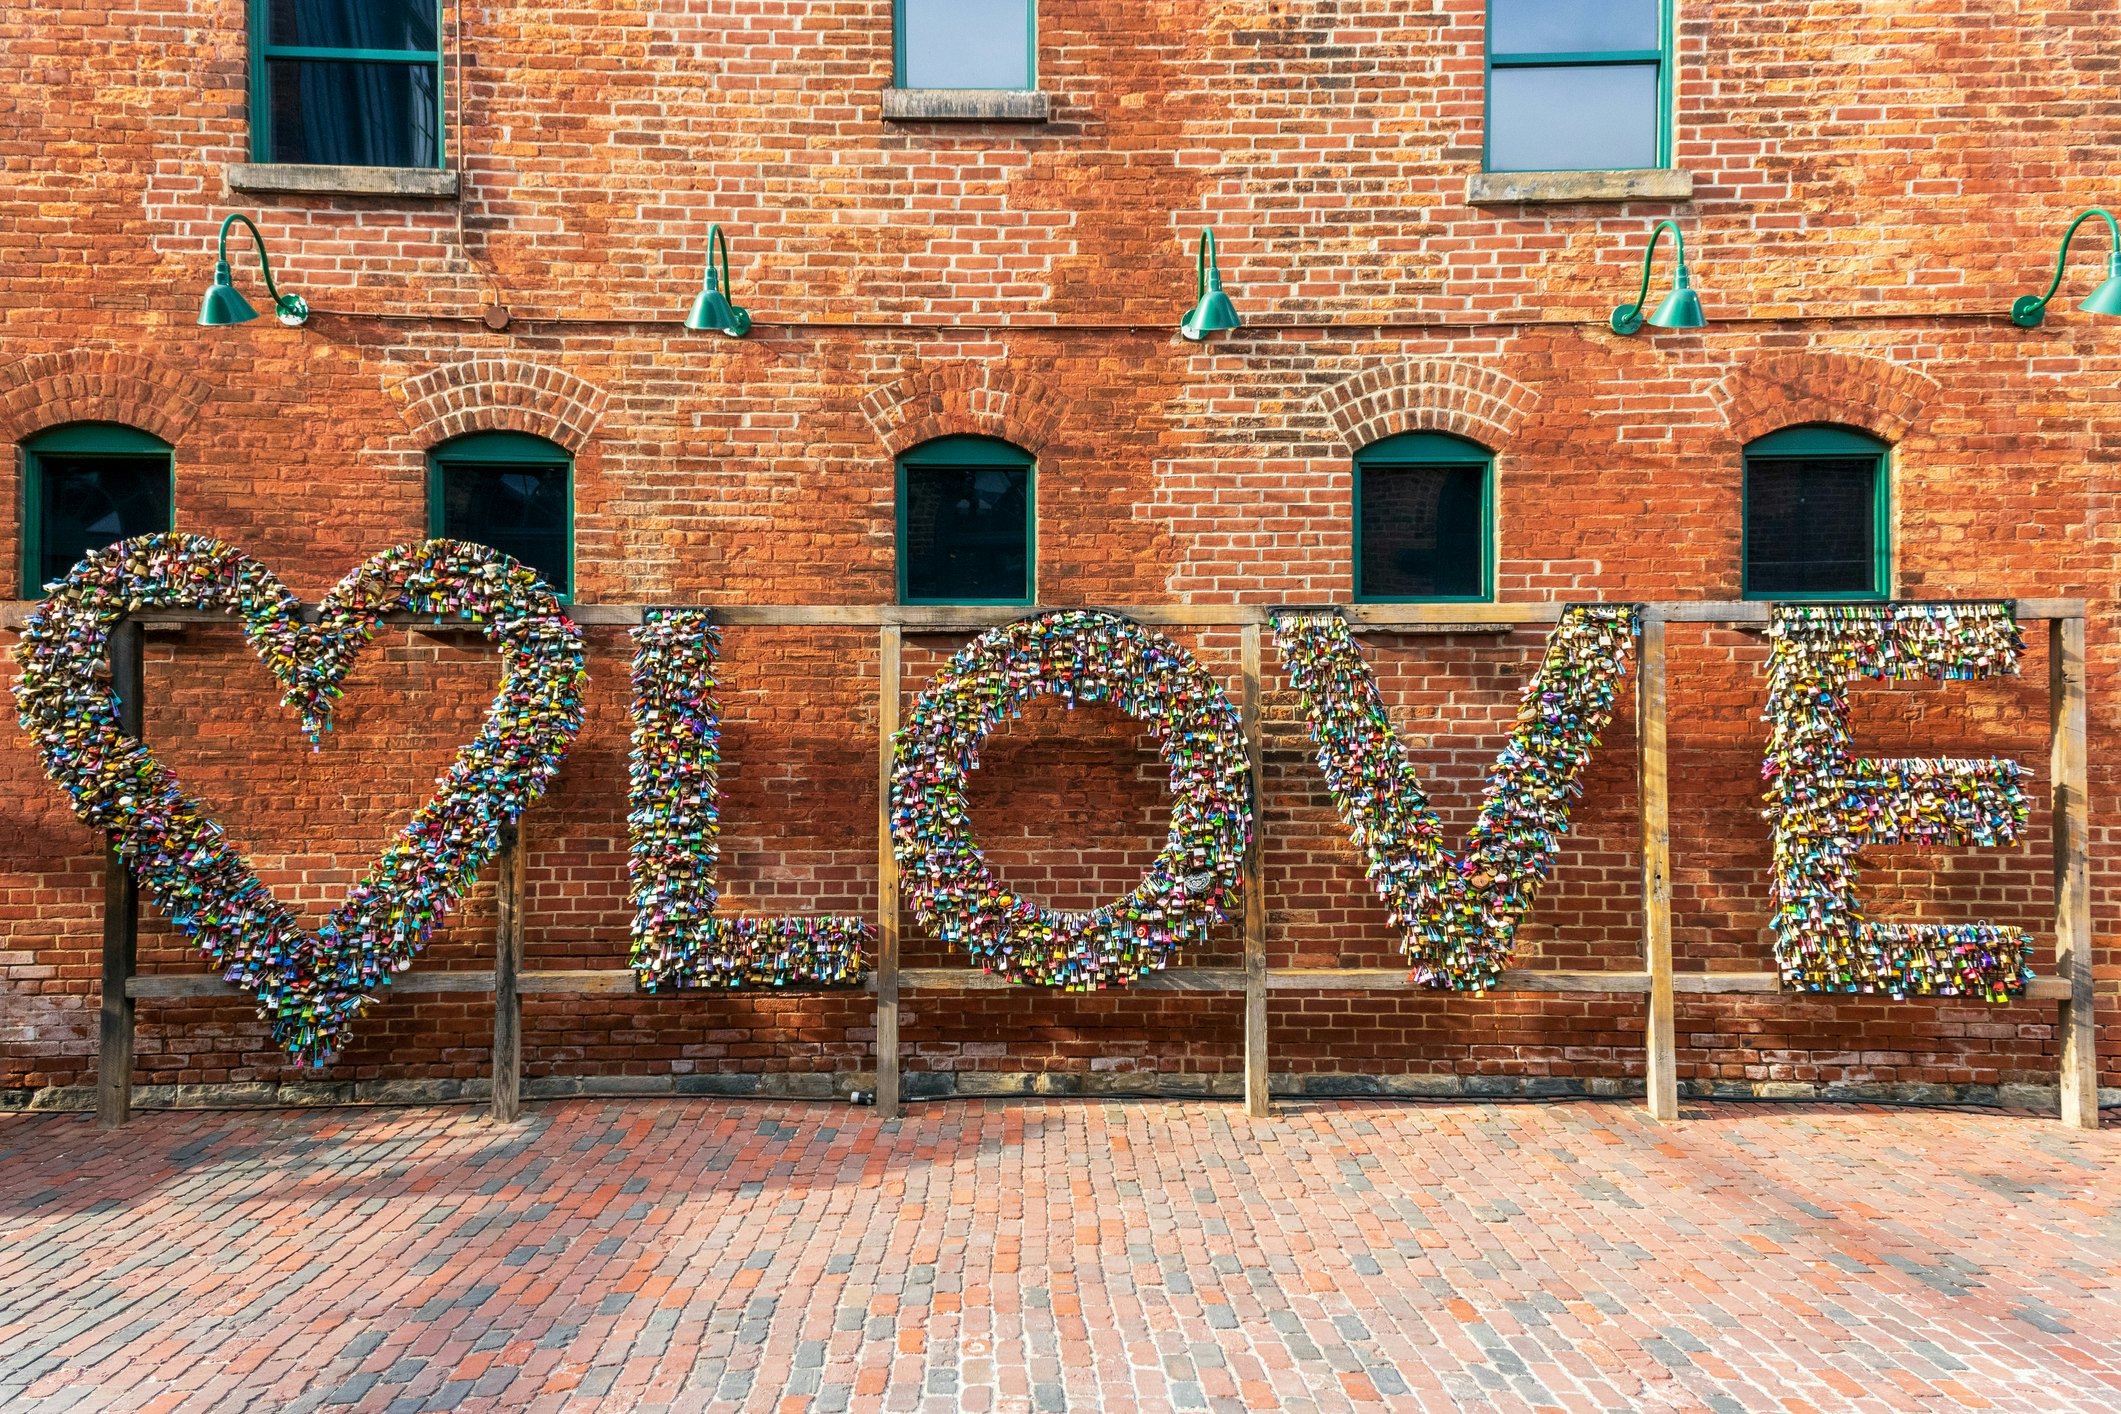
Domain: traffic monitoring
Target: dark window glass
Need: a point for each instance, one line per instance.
(965, 43)
(86, 502)
(354, 24)
(345, 114)
(1424, 531)
(967, 533)
(518, 509)
(1811, 525)
(1571, 26)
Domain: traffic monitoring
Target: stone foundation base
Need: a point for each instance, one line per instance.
(944, 1085)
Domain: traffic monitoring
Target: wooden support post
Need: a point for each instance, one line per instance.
(889, 644)
(121, 907)
(2077, 1019)
(1257, 1103)
(507, 974)
(1660, 1042)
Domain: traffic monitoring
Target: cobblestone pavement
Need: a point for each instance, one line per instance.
(1061, 1255)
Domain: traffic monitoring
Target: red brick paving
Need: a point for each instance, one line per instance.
(1011, 1256)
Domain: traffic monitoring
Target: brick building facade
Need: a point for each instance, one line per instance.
(1864, 188)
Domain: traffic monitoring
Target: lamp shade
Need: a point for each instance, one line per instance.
(1681, 308)
(2106, 299)
(712, 311)
(1212, 313)
(224, 303)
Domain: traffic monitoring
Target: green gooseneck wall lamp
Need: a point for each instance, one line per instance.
(1212, 309)
(224, 305)
(1681, 308)
(712, 310)
(2028, 310)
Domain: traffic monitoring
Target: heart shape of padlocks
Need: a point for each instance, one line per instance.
(310, 989)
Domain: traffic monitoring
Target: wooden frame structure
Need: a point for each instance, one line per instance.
(2071, 987)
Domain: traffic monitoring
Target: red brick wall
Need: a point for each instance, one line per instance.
(1873, 184)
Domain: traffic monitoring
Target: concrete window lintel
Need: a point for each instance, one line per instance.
(1653, 184)
(966, 105)
(342, 181)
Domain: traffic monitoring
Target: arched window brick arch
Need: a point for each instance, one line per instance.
(1773, 391)
(964, 398)
(499, 394)
(1427, 395)
(98, 385)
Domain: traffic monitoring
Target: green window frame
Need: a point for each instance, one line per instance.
(1441, 450)
(487, 451)
(79, 442)
(967, 453)
(1661, 56)
(900, 70)
(1829, 442)
(263, 52)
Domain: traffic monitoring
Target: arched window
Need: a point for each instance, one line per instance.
(966, 517)
(1818, 515)
(87, 485)
(509, 490)
(1424, 519)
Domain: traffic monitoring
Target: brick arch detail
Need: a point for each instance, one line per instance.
(500, 394)
(1427, 395)
(964, 398)
(1859, 390)
(98, 385)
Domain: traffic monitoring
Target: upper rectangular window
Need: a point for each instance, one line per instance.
(346, 83)
(1817, 515)
(966, 43)
(89, 485)
(1577, 85)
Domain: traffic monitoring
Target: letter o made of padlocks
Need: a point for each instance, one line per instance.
(1087, 656)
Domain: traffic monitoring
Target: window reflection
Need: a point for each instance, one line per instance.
(967, 533)
(520, 510)
(1572, 119)
(965, 43)
(1571, 26)
(86, 502)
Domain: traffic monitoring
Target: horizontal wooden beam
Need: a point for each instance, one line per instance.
(1172, 979)
(207, 984)
(1394, 979)
(619, 981)
(1382, 618)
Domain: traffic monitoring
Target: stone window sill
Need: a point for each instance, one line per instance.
(1500, 188)
(342, 181)
(966, 105)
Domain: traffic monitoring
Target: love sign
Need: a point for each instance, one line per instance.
(1458, 913)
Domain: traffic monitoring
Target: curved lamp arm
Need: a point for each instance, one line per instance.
(2028, 310)
(718, 248)
(292, 309)
(1202, 259)
(1627, 319)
